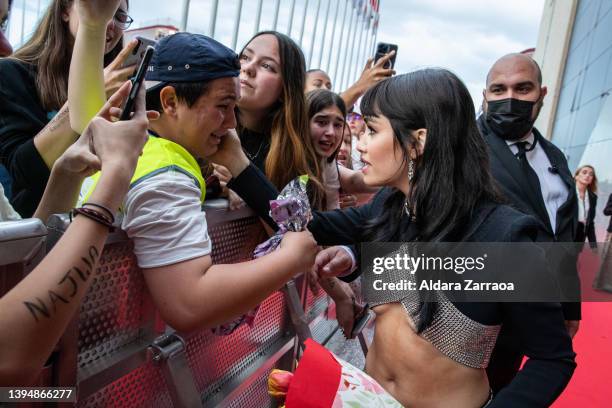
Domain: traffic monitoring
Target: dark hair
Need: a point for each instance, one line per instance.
(186, 92)
(291, 153)
(451, 176)
(320, 99)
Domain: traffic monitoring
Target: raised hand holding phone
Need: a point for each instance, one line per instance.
(137, 83)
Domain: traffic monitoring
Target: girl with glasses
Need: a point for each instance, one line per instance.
(34, 124)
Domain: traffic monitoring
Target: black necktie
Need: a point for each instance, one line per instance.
(530, 174)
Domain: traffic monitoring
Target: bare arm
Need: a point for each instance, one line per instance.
(67, 174)
(86, 93)
(55, 138)
(351, 181)
(370, 76)
(195, 294)
(40, 307)
(35, 313)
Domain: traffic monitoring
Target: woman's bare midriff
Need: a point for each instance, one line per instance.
(414, 371)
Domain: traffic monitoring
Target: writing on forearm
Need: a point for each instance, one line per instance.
(67, 287)
(58, 120)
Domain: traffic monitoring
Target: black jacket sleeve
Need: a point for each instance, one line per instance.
(608, 209)
(539, 331)
(21, 118)
(590, 225)
(337, 227)
(543, 338)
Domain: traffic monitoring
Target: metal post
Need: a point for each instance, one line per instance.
(314, 35)
(237, 25)
(23, 7)
(357, 63)
(291, 12)
(185, 15)
(324, 34)
(213, 19)
(258, 16)
(349, 55)
(340, 47)
(303, 22)
(168, 351)
(333, 35)
(275, 22)
(375, 39)
(365, 44)
(370, 42)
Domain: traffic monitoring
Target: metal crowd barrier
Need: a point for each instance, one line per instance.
(118, 351)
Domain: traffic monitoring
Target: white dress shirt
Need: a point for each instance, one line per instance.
(583, 206)
(554, 191)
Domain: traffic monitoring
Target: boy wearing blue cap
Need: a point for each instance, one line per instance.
(192, 81)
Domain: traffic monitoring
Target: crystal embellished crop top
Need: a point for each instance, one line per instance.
(454, 334)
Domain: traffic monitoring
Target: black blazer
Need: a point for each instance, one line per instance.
(608, 211)
(589, 225)
(512, 183)
(541, 331)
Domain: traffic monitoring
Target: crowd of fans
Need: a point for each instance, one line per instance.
(413, 165)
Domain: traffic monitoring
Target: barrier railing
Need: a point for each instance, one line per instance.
(118, 351)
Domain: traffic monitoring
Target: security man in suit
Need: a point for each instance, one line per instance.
(533, 176)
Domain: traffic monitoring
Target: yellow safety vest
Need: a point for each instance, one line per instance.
(158, 156)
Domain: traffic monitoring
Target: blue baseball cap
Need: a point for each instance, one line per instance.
(187, 57)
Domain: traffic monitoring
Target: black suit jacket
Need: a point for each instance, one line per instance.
(512, 183)
(589, 226)
(608, 211)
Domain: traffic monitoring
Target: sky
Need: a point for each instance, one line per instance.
(465, 36)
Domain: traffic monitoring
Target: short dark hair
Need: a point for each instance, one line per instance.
(186, 92)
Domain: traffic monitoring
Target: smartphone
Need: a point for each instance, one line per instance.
(361, 321)
(137, 82)
(138, 52)
(385, 48)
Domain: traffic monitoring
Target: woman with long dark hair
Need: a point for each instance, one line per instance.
(34, 124)
(423, 146)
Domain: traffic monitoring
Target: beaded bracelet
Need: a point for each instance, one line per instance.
(100, 206)
(94, 215)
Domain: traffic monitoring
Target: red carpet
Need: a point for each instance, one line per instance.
(591, 385)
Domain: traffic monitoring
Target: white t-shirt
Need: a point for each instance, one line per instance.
(163, 217)
(356, 155)
(7, 213)
(331, 183)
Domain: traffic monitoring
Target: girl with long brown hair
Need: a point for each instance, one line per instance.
(34, 125)
(273, 125)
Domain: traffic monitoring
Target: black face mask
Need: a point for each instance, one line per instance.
(510, 118)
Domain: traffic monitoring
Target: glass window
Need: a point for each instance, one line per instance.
(597, 153)
(566, 99)
(594, 78)
(585, 20)
(575, 60)
(602, 37)
(585, 119)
